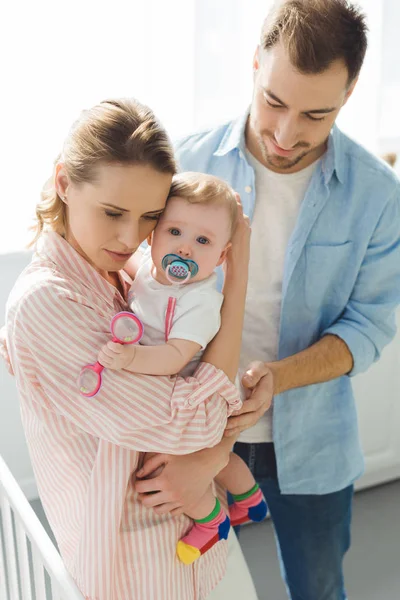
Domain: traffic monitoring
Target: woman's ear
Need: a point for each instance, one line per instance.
(61, 182)
(224, 254)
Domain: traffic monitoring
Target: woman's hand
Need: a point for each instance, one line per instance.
(174, 482)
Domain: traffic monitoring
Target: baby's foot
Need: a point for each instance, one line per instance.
(250, 506)
(203, 535)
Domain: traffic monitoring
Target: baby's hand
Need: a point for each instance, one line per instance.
(116, 356)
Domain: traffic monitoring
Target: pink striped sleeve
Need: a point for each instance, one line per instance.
(140, 412)
(208, 378)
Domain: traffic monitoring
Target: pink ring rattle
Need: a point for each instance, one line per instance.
(126, 328)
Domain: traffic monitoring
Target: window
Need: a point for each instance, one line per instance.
(190, 60)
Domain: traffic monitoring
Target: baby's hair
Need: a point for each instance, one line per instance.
(201, 188)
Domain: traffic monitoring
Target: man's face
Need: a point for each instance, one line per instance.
(292, 113)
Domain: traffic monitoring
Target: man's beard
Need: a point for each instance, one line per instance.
(281, 162)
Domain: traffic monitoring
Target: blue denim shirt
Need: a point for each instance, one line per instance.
(341, 276)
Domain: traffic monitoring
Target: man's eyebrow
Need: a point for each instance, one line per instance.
(320, 110)
(317, 111)
(275, 97)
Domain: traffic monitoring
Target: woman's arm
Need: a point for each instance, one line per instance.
(52, 333)
(4, 350)
(224, 350)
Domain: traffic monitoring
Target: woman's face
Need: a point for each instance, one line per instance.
(109, 218)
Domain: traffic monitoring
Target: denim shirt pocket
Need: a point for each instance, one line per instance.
(329, 276)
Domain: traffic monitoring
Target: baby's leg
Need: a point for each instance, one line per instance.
(211, 524)
(249, 502)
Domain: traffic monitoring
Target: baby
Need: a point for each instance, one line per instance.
(174, 294)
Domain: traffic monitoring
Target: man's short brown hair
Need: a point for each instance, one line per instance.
(318, 32)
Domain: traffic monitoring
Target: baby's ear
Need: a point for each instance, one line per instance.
(223, 254)
(149, 238)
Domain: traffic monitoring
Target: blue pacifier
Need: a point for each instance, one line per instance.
(178, 268)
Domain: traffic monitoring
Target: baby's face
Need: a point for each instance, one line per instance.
(193, 231)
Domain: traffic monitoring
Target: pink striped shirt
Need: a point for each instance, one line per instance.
(84, 450)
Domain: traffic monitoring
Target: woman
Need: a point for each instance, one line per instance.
(109, 187)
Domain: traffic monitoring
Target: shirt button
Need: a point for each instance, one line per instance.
(248, 189)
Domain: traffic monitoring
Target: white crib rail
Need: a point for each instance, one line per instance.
(18, 580)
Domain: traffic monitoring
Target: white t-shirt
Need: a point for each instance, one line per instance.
(197, 316)
(278, 200)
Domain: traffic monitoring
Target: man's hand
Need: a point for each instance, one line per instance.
(182, 480)
(258, 380)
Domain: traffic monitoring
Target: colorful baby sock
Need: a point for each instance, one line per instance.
(203, 535)
(250, 506)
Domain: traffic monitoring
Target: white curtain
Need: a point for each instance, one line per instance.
(190, 60)
(360, 117)
(389, 114)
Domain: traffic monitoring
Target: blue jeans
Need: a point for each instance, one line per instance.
(312, 532)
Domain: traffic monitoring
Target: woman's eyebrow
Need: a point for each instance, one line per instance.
(114, 206)
(155, 212)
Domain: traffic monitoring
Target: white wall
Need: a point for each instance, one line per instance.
(377, 393)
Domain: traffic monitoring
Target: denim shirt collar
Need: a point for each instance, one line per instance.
(332, 162)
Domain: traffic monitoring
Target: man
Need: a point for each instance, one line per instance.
(324, 277)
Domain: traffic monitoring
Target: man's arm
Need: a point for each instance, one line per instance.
(327, 359)
(356, 339)
(367, 324)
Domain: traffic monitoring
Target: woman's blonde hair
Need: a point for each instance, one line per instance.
(200, 188)
(118, 131)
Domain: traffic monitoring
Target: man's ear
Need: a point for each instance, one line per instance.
(224, 254)
(61, 182)
(256, 60)
(350, 90)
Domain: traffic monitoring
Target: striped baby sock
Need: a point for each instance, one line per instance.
(250, 506)
(203, 535)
